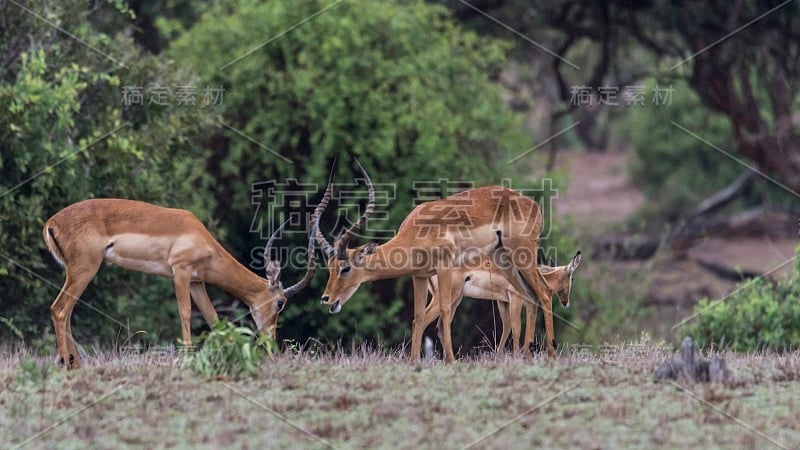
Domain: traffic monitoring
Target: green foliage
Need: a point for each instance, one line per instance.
(66, 136)
(672, 168)
(762, 315)
(229, 350)
(396, 84)
(13, 328)
(676, 170)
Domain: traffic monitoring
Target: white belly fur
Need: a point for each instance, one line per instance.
(141, 253)
(474, 243)
(475, 288)
(484, 237)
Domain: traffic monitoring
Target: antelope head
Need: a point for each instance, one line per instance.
(346, 268)
(560, 278)
(265, 310)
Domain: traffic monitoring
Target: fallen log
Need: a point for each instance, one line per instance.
(756, 221)
(626, 248)
(725, 196)
(727, 273)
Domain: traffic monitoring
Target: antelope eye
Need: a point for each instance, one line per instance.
(344, 270)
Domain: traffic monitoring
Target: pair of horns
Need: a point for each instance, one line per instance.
(339, 247)
(275, 266)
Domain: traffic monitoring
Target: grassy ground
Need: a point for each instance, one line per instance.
(372, 400)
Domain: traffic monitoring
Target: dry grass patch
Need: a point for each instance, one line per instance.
(371, 399)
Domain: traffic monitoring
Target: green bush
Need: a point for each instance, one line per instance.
(229, 350)
(673, 169)
(762, 315)
(66, 136)
(396, 83)
(676, 170)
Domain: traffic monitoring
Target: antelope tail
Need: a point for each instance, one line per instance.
(53, 245)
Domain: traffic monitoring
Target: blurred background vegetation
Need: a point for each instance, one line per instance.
(418, 91)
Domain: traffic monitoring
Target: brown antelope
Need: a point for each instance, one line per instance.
(160, 241)
(482, 281)
(434, 238)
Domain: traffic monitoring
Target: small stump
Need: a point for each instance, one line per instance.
(687, 367)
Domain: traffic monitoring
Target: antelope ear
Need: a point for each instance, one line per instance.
(273, 272)
(575, 261)
(369, 248)
(365, 250)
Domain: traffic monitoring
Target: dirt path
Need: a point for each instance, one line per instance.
(599, 190)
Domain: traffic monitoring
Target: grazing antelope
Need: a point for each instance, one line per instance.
(436, 237)
(160, 241)
(482, 281)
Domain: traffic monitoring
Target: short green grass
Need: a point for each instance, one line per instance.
(370, 399)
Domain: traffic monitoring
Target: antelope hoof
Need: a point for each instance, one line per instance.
(70, 363)
(336, 307)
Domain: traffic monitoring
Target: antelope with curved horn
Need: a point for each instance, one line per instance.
(437, 236)
(160, 241)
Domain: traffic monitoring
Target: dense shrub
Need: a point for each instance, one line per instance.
(672, 168)
(397, 84)
(65, 135)
(762, 315)
(676, 170)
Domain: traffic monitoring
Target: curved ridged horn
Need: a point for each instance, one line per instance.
(341, 243)
(272, 268)
(323, 243)
(312, 265)
(275, 233)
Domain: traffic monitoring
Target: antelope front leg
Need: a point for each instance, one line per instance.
(505, 318)
(547, 311)
(420, 300)
(530, 327)
(446, 292)
(515, 311)
(458, 293)
(203, 303)
(181, 280)
(432, 310)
